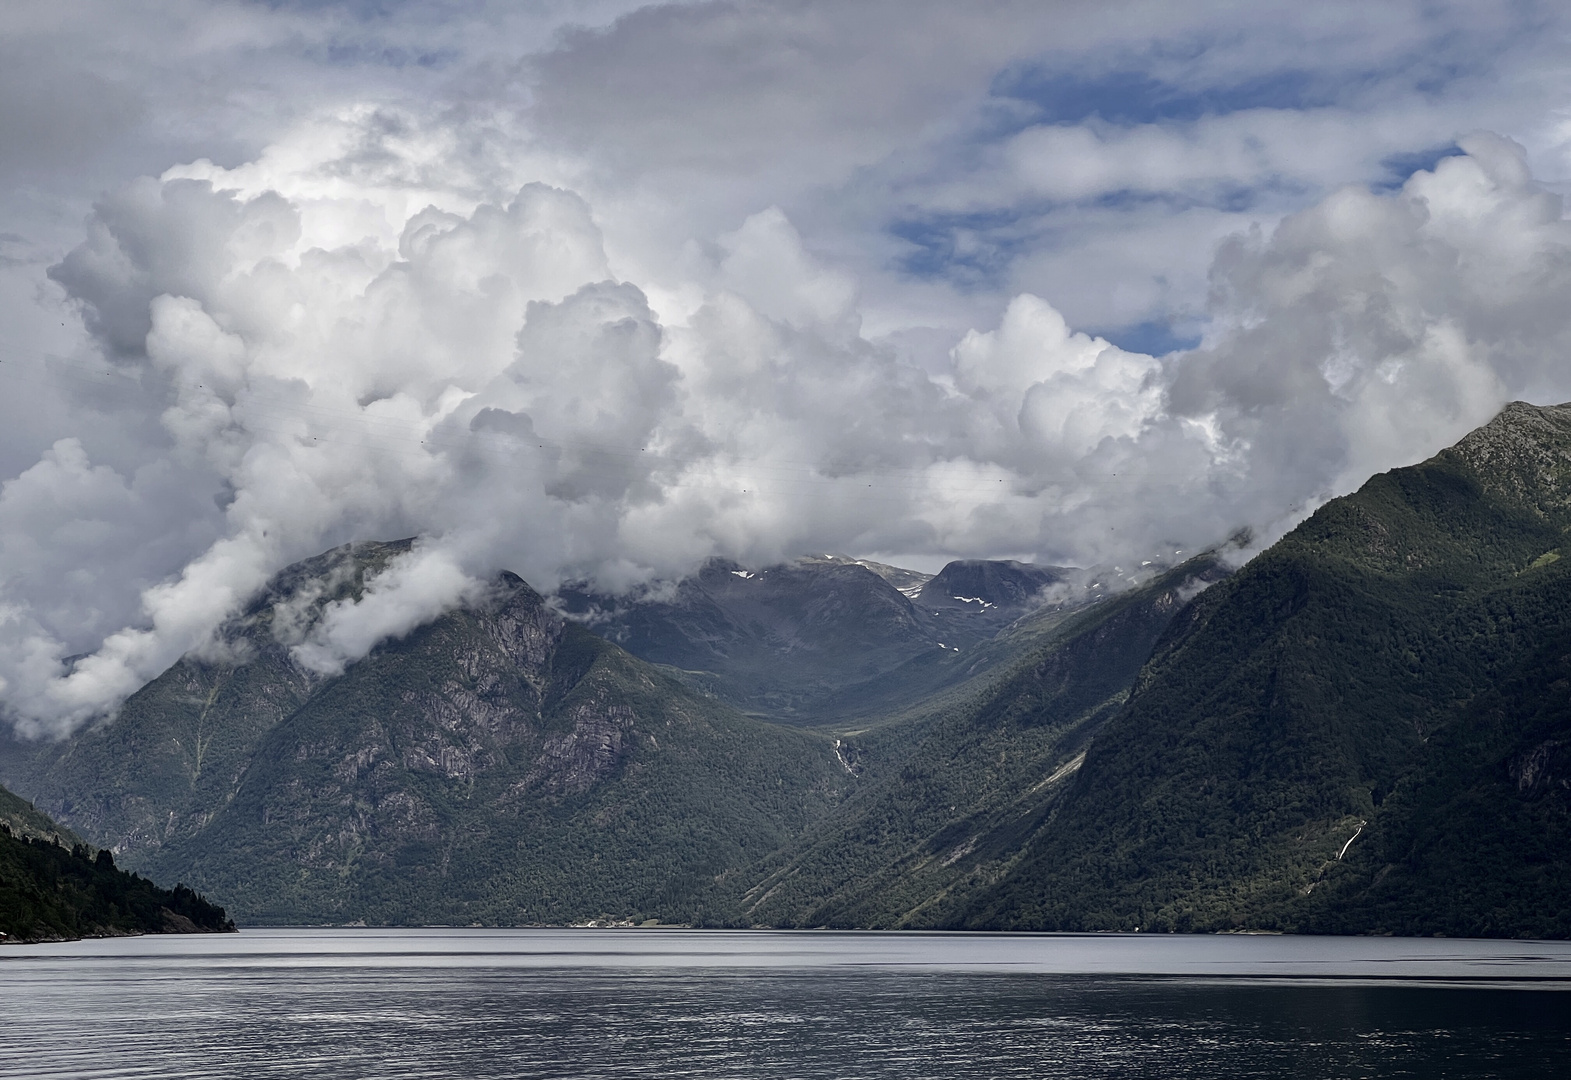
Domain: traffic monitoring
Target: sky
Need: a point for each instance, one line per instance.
(598, 290)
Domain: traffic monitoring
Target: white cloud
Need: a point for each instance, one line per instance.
(1371, 330)
(1065, 391)
(608, 301)
(470, 377)
(409, 592)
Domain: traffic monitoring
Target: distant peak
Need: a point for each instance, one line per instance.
(996, 582)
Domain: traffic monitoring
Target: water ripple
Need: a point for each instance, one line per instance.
(258, 1011)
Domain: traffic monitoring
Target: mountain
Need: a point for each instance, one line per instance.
(989, 583)
(798, 641)
(499, 764)
(1365, 730)
(773, 641)
(52, 892)
(948, 797)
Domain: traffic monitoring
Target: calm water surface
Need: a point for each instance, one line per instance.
(478, 1004)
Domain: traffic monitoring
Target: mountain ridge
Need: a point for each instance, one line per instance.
(786, 642)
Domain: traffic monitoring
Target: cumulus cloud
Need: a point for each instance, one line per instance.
(477, 377)
(1065, 392)
(1011, 151)
(1369, 330)
(631, 303)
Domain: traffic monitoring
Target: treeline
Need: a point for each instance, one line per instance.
(49, 892)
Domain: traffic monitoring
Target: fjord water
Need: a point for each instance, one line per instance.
(479, 1004)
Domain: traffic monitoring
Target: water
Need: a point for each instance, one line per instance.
(482, 1004)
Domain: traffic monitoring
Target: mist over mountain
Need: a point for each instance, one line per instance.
(397, 318)
(1033, 465)
(504, 764)
(499, 764)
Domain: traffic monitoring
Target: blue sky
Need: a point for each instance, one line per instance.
(1389, 107)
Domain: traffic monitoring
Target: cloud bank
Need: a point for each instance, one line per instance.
(333, 359)
(741, 279)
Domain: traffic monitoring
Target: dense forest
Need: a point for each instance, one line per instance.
(50, 892)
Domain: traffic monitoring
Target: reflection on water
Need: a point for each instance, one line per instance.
(483, 1004)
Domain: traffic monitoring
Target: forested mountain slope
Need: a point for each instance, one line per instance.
(25, 822)
(1366, 730)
